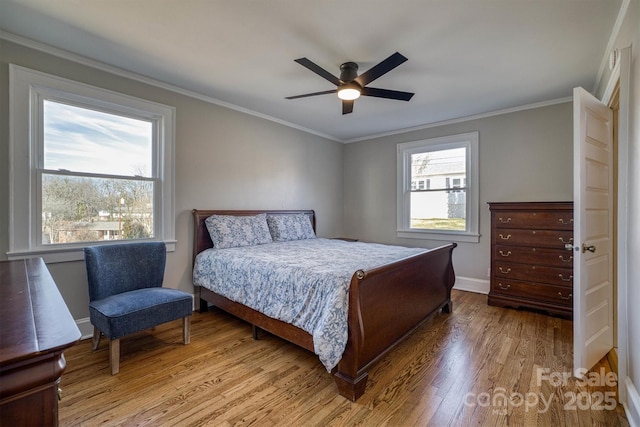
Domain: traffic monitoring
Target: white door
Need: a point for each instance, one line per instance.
(593, 229)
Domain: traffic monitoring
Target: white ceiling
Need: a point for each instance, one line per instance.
(466, 57)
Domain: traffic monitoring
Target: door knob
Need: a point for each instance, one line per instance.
(586, 248)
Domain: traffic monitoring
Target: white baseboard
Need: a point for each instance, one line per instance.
(86, 328)
(470, 284)
(632, 404)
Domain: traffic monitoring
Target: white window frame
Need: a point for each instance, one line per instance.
(27, 90)
(469, 141)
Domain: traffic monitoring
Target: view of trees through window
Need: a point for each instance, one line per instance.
(81, 209)
(96, 182)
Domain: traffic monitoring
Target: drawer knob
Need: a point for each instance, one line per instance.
(507, 237)
(568, 297)
(503, 287)
(505, 221)
(562, 221)
(503, 271)
(565, 259)
(564, 279)
(505, 254)
(570, 241)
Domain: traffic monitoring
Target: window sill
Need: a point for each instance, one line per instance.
(54, 255)
(451, 236)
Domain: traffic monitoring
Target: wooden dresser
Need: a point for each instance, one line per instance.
(35, 328)
(532, 256)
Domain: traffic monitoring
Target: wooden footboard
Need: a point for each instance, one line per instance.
(385, 305)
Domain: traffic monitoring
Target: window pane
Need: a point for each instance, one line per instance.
(79, 209)
(439, 210)
(439, 167)
(83, 140)
(443, 205)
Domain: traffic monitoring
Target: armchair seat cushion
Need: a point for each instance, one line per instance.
(123, 314)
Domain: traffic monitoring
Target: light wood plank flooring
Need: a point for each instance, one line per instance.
(454, 370)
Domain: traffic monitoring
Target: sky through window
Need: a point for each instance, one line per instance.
(83, 140)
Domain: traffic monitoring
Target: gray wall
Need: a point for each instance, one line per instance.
(524, 156)
(224, 159)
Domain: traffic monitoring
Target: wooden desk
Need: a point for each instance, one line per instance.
(35, 328)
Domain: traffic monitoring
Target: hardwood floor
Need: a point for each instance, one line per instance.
(480, 365)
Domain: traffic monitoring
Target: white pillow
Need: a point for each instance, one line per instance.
(290, 227)
(230, 231)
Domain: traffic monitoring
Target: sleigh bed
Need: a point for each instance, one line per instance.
(384, 303)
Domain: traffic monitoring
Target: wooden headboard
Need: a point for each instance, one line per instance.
(201, 238)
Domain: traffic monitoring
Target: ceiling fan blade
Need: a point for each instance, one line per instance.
(318, 70)
(382, 68)
(347, 106)
(386, 93)
(324, 92)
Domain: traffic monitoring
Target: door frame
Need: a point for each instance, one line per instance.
(620, 75)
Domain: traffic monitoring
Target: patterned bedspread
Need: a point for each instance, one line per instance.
(302, 282)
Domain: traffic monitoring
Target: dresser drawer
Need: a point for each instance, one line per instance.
(541, 219)
(533, 291)
(533, 255)
(543, 238)
(534, 273)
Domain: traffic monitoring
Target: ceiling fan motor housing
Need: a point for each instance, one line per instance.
(348, 71)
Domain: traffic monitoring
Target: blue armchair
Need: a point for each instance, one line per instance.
(126, 293)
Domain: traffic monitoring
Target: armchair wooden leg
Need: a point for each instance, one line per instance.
(114, 356)
(186, 329)
(96, 338)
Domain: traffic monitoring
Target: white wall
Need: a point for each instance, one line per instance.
(224, 159)
(524, 156)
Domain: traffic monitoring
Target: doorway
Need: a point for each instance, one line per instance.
(614, 105)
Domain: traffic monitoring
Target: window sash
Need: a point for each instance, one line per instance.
(449, 189)
(137, 132)
(127, 220)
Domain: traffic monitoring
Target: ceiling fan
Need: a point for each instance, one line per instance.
(350, 85)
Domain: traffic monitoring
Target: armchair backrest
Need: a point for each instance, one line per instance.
(114, 269)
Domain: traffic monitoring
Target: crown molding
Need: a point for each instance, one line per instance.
(79, 59)
(612, 40)
(464, 119)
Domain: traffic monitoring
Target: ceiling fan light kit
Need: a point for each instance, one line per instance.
(351, 86)
(349, 91)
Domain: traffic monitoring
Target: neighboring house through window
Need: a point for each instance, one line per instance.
(90, 165)
(438, 188)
